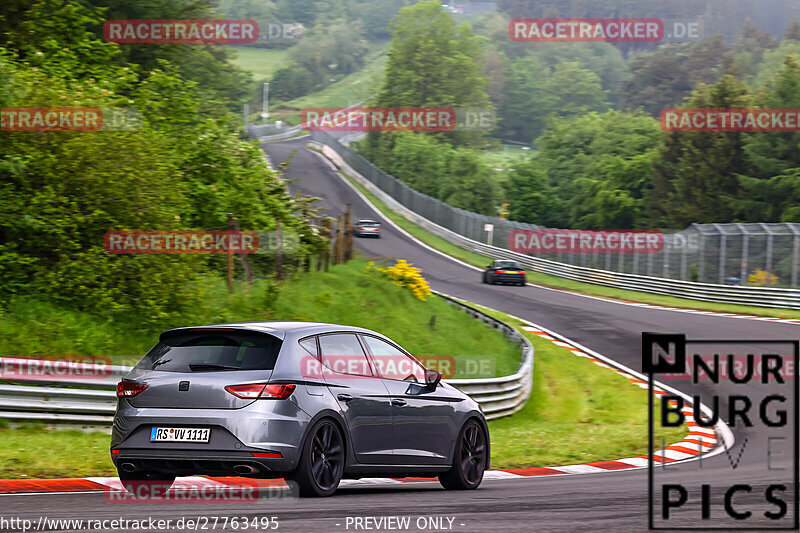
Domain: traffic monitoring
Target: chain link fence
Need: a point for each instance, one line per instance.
(757, 254)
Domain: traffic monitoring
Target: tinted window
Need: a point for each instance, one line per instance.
(393, 363)
(507, 264)
(342, 353)
(212, 352)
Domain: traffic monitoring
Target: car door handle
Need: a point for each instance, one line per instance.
(344, 397)
(398, 401)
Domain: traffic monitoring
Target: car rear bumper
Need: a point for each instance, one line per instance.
(509, 278)
(274, 427)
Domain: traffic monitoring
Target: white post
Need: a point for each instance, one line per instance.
(489, 229)
(265, 103)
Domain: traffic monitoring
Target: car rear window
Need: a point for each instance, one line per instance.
(369, 224)
(215, 352)
(508, 264)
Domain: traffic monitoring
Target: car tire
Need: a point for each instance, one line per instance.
(321, 461)
(157, 483)
(469, 459)
(483, 278)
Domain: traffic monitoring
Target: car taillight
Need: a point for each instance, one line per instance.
(360, 229)
(255, 391)
(270, 455)
(129, 389)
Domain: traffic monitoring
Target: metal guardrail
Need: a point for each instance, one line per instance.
(50, 397)
(504, 395)
(710, 292)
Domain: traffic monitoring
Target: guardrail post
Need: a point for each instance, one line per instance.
(701, 260)
(722, 253)
(745, 253)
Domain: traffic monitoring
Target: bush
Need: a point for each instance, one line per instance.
(404, 274)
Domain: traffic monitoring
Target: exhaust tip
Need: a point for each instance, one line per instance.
(128, 467)
(244, 469)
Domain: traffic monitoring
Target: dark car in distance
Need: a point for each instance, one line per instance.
(310, 402)
(504, 271)
(367, 228)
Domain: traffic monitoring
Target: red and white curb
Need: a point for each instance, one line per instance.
(715, 313)
(700, 440)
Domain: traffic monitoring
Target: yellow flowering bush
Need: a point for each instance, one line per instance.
(403, 274)
(762, 277)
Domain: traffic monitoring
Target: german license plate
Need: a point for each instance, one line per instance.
(180, 434)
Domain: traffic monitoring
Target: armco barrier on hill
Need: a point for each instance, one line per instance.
(716, 252)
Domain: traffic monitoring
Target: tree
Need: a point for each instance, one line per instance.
(598, 166)
(662, 79)
(569, 90)
(529, 197)
(695, 173)
(432, 63)
(770, 190)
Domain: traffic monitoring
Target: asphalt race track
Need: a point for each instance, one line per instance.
(613, 501)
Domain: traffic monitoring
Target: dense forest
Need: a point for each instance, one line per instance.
(184, 166)
(590, 112)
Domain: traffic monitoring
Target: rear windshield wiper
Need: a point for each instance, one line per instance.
(211, 366)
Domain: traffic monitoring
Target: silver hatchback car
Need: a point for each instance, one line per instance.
(307, 401)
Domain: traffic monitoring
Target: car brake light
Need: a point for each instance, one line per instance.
(360, 229)
(271, 455)
(129, 389)
(256, 391)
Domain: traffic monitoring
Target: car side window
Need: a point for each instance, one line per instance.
(392, 363)
(309, 344)
(342, 353)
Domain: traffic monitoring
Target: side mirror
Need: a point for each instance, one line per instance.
(432, 379)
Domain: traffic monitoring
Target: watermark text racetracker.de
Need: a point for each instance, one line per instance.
(596, 30)
(69, 119)
(200, 242)
(55, 367)
(141, 523)
(397, 118)
(397, 366)
(181, 31)
(723, 120)
(585, 241)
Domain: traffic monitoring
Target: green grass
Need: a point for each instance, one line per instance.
(32, 328)
(578, 412)
(578, 287)
(35, 452)
(261, 62)
(505, 156)
(351, 89)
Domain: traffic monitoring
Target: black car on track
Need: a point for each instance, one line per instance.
(504, 271)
